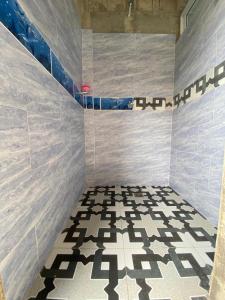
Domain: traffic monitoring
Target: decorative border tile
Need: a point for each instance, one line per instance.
(137, 103)
(153, 103)
(213, 79)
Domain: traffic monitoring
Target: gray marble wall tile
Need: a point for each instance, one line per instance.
(114, 64)
(220, 44)
(198, 127)
(127, 64)
(22, 200)
(155, 56)
(46, 140)
(13, 129)
(58, 21)
(42, 154)
(53, 217)
(198, 141)
(130, 147)
(45, 106)
(17, 274)
(89, 146)
(87, 57)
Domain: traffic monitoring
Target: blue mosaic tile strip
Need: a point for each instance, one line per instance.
(76, 90)
(88, 102)
(116, 104)
(85, 101)
(61, 76)
(80, 99)
(39, 48)
(97, 103)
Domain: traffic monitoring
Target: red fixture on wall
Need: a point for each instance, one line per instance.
(85, 88)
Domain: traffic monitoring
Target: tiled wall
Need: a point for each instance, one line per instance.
(41, 137)
(87, 58)
(58, 22)
(217, 290)
(127, 147)
(198, 136)
(42, 132)
(201, 46)
(42, 28)
(129, 64)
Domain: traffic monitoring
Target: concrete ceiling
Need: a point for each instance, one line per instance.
(148, 16)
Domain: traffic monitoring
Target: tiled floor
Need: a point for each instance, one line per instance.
(130, 243)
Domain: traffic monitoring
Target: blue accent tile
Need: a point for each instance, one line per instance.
(76, 90)
(125, 103)
(85, 101)
(108, 103)
(60, 75)
(116, 104)
(97, 103)
(39, 48)
(80, 99)
(89, 102)
(15, 20)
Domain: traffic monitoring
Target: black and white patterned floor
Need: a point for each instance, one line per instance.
(130, 243)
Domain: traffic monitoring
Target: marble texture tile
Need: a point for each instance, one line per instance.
(46, 140)
(42, 136)
(155, 56)
(12, 269)
(197, 152)
(23, 199)
(128, 147)
(53, 217)
(89, 146)
(87, 58)
(128, 65)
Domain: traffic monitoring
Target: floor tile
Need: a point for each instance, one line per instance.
(130, 243)
(84, 274)
(167, 274)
